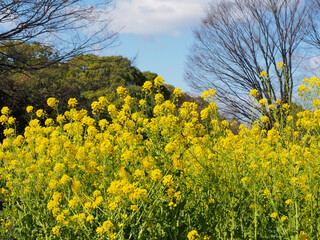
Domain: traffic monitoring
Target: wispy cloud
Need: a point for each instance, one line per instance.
(148, 17)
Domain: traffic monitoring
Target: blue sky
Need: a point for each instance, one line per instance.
(162, 54)
(159, 33)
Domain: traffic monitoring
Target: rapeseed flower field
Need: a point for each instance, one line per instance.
(181, 174)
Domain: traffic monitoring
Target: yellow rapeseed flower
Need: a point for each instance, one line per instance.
(134, 207)
(309, 197)
(263, 74)
(65, 179)
(288, 201)
(193, 235)
(89, 218)
(262, 102)
(40, 113)
(61, 119)
(264, 119)
(274, 215)
(208, 95)
(52, 102)
(3, 119)
(11, 120)
(72, 102)
(56, 230)
(147, 86)
(159, 98)
(158, 81)
(122, 92)
(5, 111)
(177, 92)
(254, 93)
(156, 175)
(29, 109)
(280, 65)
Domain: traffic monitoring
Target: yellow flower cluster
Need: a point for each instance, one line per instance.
(263, 74)
(71, 103)
(193, 235)
(52, 102)
(208, 95)
(29, 109)
(254, 93)
(5, 111)
(158, 81)
(79, 177)
(99, 106)
(177, 92)
(147, 86)
(122, 92)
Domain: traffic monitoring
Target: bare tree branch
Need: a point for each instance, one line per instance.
(69, 27)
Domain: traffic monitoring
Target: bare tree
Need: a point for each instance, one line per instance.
(237, 40)
(68, 27)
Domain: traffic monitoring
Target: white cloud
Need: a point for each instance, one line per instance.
(147, 17)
